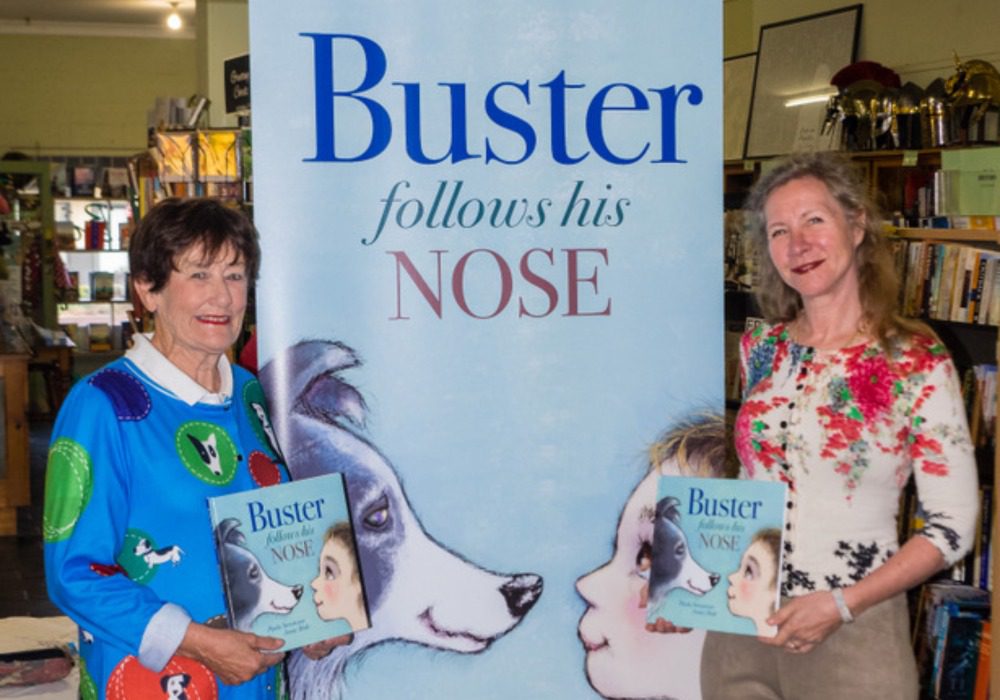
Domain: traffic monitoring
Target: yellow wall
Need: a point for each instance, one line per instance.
(915, 38)
(88, 95)
(223, 33)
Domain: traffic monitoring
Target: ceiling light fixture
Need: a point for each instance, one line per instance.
(174, 21)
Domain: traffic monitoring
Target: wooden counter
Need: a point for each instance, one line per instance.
(14, 469)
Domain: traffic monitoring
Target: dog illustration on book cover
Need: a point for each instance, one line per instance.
(417, 590)
(252, 591)
(673, 566)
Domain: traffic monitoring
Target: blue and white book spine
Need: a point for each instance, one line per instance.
(717, 553)
(288, 561)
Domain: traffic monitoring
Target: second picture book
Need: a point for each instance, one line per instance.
(717, 550)
(289, 562)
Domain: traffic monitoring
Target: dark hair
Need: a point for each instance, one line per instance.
(175, 225)
(877, 280)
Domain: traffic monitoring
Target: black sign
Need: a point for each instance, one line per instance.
(238, 84)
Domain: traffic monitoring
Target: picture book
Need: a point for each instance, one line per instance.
(288, 560)
(716, 561)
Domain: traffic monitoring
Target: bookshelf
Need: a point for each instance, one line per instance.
(92, 236)
(31, 226)
(895, 178)
(950, 235)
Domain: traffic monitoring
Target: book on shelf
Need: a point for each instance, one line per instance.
(974, 179)
(938, 602)
(116, 182)
(288, 561)
(716, 555)
(100, 337)
(959, 656)
(83, 180)
(175, 158)
(949, 281)
(981, 691)
(102, 286)
(217, 156)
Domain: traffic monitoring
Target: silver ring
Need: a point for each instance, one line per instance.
(794, 646)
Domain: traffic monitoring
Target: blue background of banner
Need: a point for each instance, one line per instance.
(517, 439)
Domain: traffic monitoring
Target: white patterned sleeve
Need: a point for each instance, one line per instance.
(944, 464)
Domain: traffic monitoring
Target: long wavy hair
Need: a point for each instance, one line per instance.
(877, 280)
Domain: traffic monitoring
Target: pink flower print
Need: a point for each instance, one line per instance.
(922, 445)
(744, 440)
(934, 468)
(871, 383)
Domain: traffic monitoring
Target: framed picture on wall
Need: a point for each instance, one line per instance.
(795, 61)
(737, 86)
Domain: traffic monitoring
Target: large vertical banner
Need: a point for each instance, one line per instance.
(492, 278)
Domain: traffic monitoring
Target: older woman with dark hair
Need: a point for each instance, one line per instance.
(843, 401)
(137, 449)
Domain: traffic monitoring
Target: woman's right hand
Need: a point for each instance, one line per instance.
(235, 657)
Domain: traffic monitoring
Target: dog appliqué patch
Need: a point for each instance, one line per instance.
(256, 409)
(140, 557)
(207, 452)
(180, 678)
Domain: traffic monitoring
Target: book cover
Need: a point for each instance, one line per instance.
(217, 156)
(948, 274)
(981, 691)
(100, 337)
(930, 624)
(717, 546)
(957, 629)
(102, 286)
(960, 659)
(289, 562)
(986, 297)
(174, 156)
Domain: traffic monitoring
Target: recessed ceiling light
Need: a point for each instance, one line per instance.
(174, 21)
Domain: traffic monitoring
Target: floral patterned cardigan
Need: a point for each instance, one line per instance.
(845, 429)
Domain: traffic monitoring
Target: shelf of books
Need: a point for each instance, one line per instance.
(950, 279)
(191, 163)
(92, 287)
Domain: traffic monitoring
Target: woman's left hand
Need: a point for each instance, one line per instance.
(804, 622)
(319, 650)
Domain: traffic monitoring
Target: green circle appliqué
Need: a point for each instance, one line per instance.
(88, 689)
(68, 485)
(207, 451)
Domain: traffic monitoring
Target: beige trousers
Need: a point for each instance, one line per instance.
(870, 658)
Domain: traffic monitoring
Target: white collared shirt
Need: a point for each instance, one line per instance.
(172, 379)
